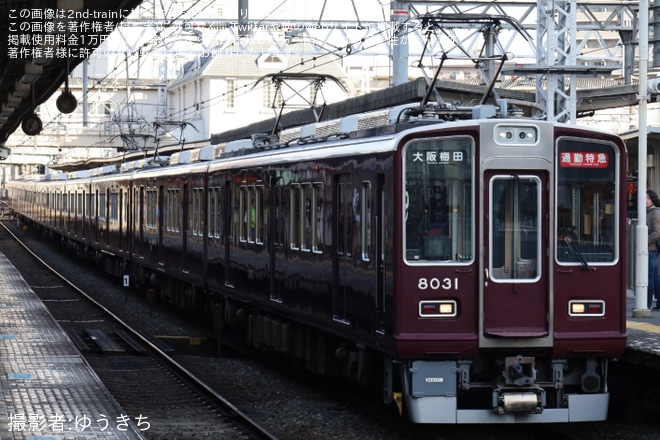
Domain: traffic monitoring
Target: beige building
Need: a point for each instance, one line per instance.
(226, 90)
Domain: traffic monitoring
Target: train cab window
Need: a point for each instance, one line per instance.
(437, 198)
(515, 232)
(586, 203)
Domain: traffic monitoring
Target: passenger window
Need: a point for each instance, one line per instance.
(515, 234)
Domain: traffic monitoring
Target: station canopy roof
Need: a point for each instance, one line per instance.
(41, 42)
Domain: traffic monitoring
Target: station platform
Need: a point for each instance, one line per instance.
(643, 336)
(47, 390)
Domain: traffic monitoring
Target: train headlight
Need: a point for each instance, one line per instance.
(516, 135)
(437, 309)
(586, 308)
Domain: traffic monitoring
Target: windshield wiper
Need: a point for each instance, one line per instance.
(576, 250)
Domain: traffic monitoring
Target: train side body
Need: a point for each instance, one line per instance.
(281, 246)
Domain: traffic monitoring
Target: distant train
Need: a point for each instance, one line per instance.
(472, 266)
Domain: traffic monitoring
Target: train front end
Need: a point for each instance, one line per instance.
(509, 291)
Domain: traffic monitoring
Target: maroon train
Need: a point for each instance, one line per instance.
(472, 268)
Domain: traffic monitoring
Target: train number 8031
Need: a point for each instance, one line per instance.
(437, 283)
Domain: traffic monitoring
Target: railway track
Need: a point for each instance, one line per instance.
(136, 369)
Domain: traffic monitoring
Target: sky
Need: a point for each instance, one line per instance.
(370, 10)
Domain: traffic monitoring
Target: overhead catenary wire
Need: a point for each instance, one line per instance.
(167, 31)
(313, 62)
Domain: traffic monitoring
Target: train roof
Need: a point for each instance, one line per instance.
(359, 128)
(333, 135)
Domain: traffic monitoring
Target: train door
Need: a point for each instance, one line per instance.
(515, 300)
(103, 216)
(276, 234)
(66, 223)
(95, 217)
(139, 219)
(76, 214)
(380, 251)
(159, 224)
(228, 226)
(89, 209)
(60, 211)
(126, 220)
(343, 253)
(121, 219)
(186, 208)
(82, 202)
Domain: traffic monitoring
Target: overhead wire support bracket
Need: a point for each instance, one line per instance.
(434, 23)
(168, 126)
(315, 80)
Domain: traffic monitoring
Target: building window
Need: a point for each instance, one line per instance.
(231, 93)
(272, 61)
(271, 95)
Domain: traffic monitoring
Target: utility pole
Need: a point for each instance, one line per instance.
(399, 44)
(642, 231)
(243, 17)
